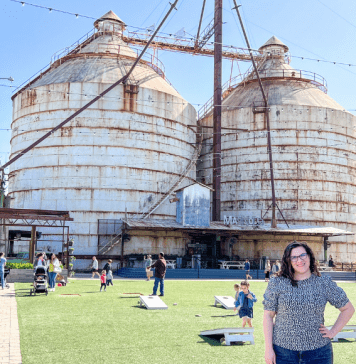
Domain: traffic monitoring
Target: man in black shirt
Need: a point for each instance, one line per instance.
(160, 272)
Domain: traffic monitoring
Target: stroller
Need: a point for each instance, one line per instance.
(40, 281)
(6, 273)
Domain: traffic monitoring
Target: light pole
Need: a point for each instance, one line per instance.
(7, 78)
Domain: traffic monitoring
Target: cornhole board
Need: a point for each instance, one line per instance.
(152, 303)
(348, 332)
(234, 334)
(226, 301)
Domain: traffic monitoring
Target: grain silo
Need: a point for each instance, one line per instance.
(122, 154)
(313, 140)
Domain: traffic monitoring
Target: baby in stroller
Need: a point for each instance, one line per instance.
(40, 281)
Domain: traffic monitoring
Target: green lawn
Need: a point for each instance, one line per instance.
(109, 327)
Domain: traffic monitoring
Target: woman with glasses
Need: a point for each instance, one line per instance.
(296, 299)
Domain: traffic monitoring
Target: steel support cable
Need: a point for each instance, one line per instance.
(273, 222)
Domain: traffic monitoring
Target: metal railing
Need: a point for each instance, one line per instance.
(348, 266)
(149, 59)
(228, 86)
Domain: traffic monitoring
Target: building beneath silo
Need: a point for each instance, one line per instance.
(118, 158)
(312, 145)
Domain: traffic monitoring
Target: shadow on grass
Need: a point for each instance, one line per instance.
(141, 307)
(220, 307)
(226, 316)
(24, 292)
(210, 341)
(344, 341)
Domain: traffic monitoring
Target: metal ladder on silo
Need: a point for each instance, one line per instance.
(182, 176)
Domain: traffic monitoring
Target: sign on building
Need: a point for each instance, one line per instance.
(243, 220)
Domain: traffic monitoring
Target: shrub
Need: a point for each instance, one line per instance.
(19, 265)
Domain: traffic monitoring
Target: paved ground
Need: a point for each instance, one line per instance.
(10, 351)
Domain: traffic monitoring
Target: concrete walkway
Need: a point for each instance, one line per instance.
(10, 352)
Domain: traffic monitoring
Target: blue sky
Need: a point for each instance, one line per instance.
(323, 30)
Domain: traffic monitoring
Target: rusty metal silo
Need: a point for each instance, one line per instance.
(313, 140)
(123, 153)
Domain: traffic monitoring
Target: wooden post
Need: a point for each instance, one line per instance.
(32, 244)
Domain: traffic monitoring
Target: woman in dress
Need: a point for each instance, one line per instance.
(296, 298)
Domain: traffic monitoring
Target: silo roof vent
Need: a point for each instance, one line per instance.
(272, 43)
(110, 15)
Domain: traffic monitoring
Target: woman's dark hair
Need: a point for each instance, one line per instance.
(287, 270)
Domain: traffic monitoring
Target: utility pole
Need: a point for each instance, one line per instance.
(217, 110)
(269, 143)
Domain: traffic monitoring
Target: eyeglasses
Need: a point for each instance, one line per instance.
(294, 258)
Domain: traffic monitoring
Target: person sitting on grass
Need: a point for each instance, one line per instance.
(103, 280)
(244, 304)
(109, 278)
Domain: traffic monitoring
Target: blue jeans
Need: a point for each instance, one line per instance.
(52, 279)
(2, 279)
(323, 355)
(161, 288)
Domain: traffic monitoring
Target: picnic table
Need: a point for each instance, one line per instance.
(227, 264)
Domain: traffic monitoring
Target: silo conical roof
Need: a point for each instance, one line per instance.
(110, 15)
(274, 41)
(282, 84)
(105, 58)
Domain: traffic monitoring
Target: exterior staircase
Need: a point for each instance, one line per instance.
(114, 240)
(181, 177)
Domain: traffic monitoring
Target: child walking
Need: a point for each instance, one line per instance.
(237, 289)
(244, 304)
(103, 280)
(109, 278)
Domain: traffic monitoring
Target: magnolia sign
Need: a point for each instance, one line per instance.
(243, 220)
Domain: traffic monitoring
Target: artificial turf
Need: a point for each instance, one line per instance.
(110, 327)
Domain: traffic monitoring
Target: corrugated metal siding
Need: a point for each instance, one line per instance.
(121, 153)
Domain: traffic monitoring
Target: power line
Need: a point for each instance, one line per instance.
(77, 15)
(337, 14)
(191, 38)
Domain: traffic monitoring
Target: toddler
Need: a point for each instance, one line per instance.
(109, 278)
(244, 304)
(103, 280)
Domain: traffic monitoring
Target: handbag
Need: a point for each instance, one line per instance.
(57, 269)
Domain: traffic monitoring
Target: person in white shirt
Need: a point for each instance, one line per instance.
(95, 268)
